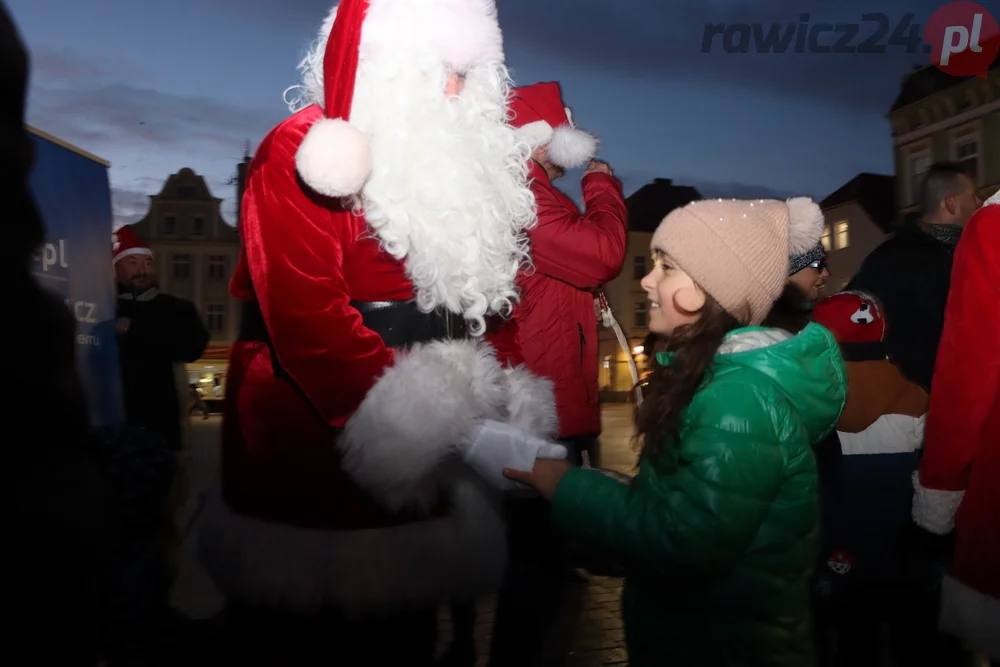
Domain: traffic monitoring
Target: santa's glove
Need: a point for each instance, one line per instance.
(489, 447)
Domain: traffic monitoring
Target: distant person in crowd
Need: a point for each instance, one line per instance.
(718, 530)
(64, 527)
(155, 331)
(911, 272)
(957, 486)
(807, 276)
(572, 255)
(871, 586)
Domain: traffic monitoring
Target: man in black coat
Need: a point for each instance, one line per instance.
(911, 272)
(155, 332)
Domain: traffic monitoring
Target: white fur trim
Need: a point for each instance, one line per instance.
(415, 565)
(972, 616)
(410, 423)
(889, 434)
(805, 225)
(934, 510)
(335, 158)
(994, 200)
(571, 147)
(129, 252)
(461, 34)
(536, 133)
(532, 403)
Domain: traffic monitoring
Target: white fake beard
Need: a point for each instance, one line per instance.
(448, 191)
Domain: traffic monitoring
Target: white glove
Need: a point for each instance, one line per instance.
(491, 446)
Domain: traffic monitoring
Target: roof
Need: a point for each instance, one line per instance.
(65, 144)
(875, 193)
(650, 204)
(926, 81)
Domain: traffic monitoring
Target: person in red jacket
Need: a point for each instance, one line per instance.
(957, 485)
(572, 255)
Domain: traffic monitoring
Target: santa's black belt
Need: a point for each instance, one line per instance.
(401, 324)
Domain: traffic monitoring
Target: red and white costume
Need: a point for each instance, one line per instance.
(572, 254)
(958, 486)
(339, 484)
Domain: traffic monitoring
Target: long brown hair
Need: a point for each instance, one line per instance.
(672, 387)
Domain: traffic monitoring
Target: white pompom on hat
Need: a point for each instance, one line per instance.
(738, 250)
(335, 157)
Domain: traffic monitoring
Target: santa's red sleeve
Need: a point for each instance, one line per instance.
(295, 255)
(965, 392)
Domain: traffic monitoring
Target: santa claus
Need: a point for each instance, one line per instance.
(956, 486)
(376, 390)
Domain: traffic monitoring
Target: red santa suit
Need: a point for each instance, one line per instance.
(346, 398)
(958, 485)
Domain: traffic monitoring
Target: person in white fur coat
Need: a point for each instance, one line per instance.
(377, 390)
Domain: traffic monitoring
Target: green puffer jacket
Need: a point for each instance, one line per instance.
(719, 536)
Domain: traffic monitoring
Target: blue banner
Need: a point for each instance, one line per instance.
(74, 196)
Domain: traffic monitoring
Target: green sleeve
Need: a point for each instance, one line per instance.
(696, 520)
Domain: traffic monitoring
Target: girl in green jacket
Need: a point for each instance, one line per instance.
(718, 530)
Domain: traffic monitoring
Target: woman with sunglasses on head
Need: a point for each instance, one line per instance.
(807, 275)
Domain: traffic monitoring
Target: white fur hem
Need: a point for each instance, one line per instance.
(571, 148)
(971, 616)
(414, 565)
(398, 440)
(934, 510)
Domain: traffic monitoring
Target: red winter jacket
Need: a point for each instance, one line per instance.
(572, 255)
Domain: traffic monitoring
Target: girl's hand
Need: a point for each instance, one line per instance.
(544, 478)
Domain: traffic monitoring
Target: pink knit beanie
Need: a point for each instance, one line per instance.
(738, 250)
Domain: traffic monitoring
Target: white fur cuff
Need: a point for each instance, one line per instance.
(531, 403)
(934, 510)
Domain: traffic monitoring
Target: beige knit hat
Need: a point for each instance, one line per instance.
(738, 250)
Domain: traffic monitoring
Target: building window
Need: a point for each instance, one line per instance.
(217, 267)
(639, 267)
(182, 267)
(198, 226)
(825, 239)
(919, 164)
(842, 239)
(640, 315)
(169, 225)
(966, 152)
(215, 317)
(186, 192)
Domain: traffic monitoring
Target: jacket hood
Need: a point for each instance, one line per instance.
(808, 368)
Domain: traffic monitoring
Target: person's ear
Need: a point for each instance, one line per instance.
(689, 299)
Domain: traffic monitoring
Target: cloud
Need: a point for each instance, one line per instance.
(128, 205)
(112, 114)
(661, 42)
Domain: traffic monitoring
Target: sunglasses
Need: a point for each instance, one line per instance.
(819, 264)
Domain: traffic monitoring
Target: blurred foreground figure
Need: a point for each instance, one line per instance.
(63, 535)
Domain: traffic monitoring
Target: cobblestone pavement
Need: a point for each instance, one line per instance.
(588, 631)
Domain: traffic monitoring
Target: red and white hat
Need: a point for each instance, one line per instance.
(335, 157)
(542, 119)
(857, 322)
(125, 242)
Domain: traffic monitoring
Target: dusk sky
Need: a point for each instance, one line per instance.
(157, 86)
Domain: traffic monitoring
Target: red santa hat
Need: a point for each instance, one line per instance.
(125, 242)
(335, 157)
(857, 322)
(542, 119)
